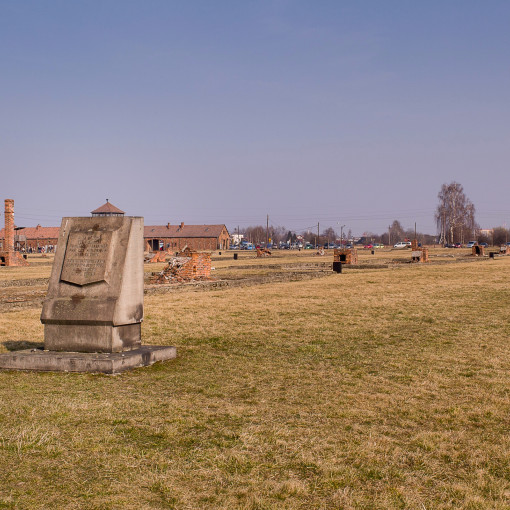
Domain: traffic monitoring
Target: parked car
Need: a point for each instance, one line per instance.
(378, 245)
(457, 245)
(368, 246)
(402, 244)
(470, 244)
(484, 245)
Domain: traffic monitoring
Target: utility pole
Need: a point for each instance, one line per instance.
(389, 235)
(318, 235)
(267, 230)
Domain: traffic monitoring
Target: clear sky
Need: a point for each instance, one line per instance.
(342, 112)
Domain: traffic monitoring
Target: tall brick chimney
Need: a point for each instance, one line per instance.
(9, 225)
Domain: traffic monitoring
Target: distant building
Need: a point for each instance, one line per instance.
(33, 239)
(156, 237)
(176, 237)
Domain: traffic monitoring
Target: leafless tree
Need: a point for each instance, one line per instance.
(397, 232)
(500, 236)
(455, 214)
(329, 235)
(256, 234)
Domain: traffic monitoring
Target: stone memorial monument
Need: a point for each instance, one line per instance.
(93, 310)
(95, 295)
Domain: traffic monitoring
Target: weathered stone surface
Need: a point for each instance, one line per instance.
(95, 294)
(106, 363)
(87, 257)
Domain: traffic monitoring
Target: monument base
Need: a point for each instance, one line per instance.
(92, 338)
(105, 363)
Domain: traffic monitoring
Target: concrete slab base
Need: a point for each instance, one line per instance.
(98, 362)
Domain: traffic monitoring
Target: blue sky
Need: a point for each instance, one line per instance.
(222, 112)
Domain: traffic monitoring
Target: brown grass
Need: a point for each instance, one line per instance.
(381, 388)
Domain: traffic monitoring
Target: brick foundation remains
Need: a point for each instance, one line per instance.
(157, 256)
(420, 255)
(478, 250)
(189, 266)
(345, 256)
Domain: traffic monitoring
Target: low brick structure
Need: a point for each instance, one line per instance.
(345, 256)
(420, 255)
(478, 251)
(8, 256)
(415, 245)
(188, 267)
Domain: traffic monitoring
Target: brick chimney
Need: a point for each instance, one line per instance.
(168, 225)
(9, 225)
(182, 225)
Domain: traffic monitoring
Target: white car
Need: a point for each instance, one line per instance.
(402, 244)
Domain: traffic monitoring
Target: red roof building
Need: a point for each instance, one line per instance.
(177, 237)
(33, 238)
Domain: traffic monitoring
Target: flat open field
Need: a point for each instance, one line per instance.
(382, 387)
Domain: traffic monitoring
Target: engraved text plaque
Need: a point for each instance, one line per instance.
(86, 257)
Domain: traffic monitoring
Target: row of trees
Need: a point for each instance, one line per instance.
(257, 235)
(454, 216)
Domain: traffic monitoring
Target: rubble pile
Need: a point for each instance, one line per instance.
(186, 267)
(155, 257)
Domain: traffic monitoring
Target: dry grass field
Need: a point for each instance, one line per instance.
(371, 389)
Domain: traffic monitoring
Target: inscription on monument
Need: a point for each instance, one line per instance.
(86, 257)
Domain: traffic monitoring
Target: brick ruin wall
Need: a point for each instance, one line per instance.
(346, 256)
(192, 267)
(478, 250)
(420, 255)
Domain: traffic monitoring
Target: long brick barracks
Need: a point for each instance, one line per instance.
(156, 237)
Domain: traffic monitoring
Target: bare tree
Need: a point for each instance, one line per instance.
(397, 232)
(499, 236)
(455, 214)
(329, 234)
(256, 234)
